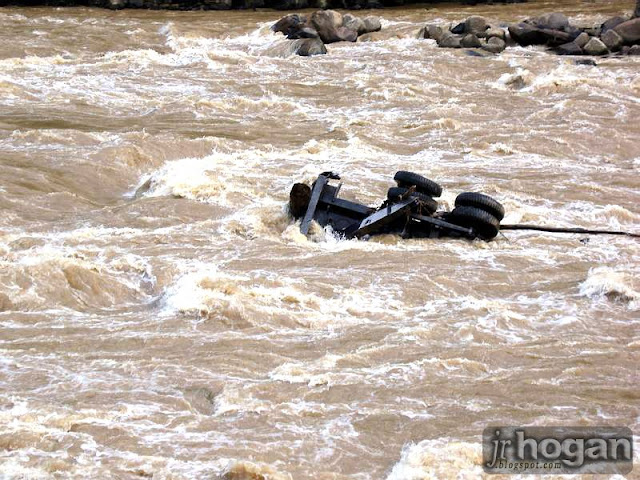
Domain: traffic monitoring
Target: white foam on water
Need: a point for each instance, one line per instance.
(610, 284)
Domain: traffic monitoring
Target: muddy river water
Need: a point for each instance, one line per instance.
(192, 331)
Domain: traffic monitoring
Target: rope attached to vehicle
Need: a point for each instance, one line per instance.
(542, 228)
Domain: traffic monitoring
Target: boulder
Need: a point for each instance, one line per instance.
(635, 50)
(449, 40)
(354, 23)
(586, 61)
(346, 34)
(476, 24)
(289, 22)
(582, 39)
(556, 37)
(552, 21)
(327, 23)
(612, 40)
(307, 47)
(430, 32)
(470, 41)
(459, 29)
(595, 47)
(612, 23)
(372, 24)
(571, 48)
(496, 32)
(495, 45)
(304, 32)
(629, 31)
(525, 34)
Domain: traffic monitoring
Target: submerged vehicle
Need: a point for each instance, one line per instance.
(410, 210)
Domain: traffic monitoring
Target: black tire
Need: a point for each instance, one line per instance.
(422, 184)
(485, 225)
(427, 204)
(483, 202)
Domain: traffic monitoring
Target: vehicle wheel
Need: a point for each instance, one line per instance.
(427, 204)
(483, 223)
(422, 184)
(483, 202)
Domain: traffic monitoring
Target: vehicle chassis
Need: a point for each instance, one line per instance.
(353, 220)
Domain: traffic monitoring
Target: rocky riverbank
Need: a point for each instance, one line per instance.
(617, 35)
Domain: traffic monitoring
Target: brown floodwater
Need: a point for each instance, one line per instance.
(191, 331)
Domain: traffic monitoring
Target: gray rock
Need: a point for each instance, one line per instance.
(525, 34)
(449, 40)
(586, 61)
(595, 47)
(326, 23)
(582, 39)
(346, 34)
(458, 29)
(612, 23)
(433, 32)
(354, 23)
(552, 21)
(289, 22)
(304, 32)
(612, 40)
(476, 25)
(629, 31)
(372, 24)
(496, 32)
(470, 41)
(635, 50)
(495, 45)
(571, 48)
(307, 47)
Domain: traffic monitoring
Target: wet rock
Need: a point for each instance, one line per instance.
(289, 22)
(459, 29)
(571, 48)
(525, 34)
(307, 47)
(634, 50)
(587, 61)
(346, 34)
(448, 40)
(372, 24)
(305, 32)
(476, 25)
(612, 23)
(495, 45)
(496, 32)
(612, 40)
(327, 23)
(354, 23)
(552, 21)
(299, 198)
(629, 31)
(556, 37)
(582, 39)
(433, 32)
(595, 47)
(470, 41)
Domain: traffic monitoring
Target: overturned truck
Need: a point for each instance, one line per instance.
(410, 210)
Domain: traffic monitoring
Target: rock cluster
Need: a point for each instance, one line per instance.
(474, 32)
(619, 34)
(323, 27)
